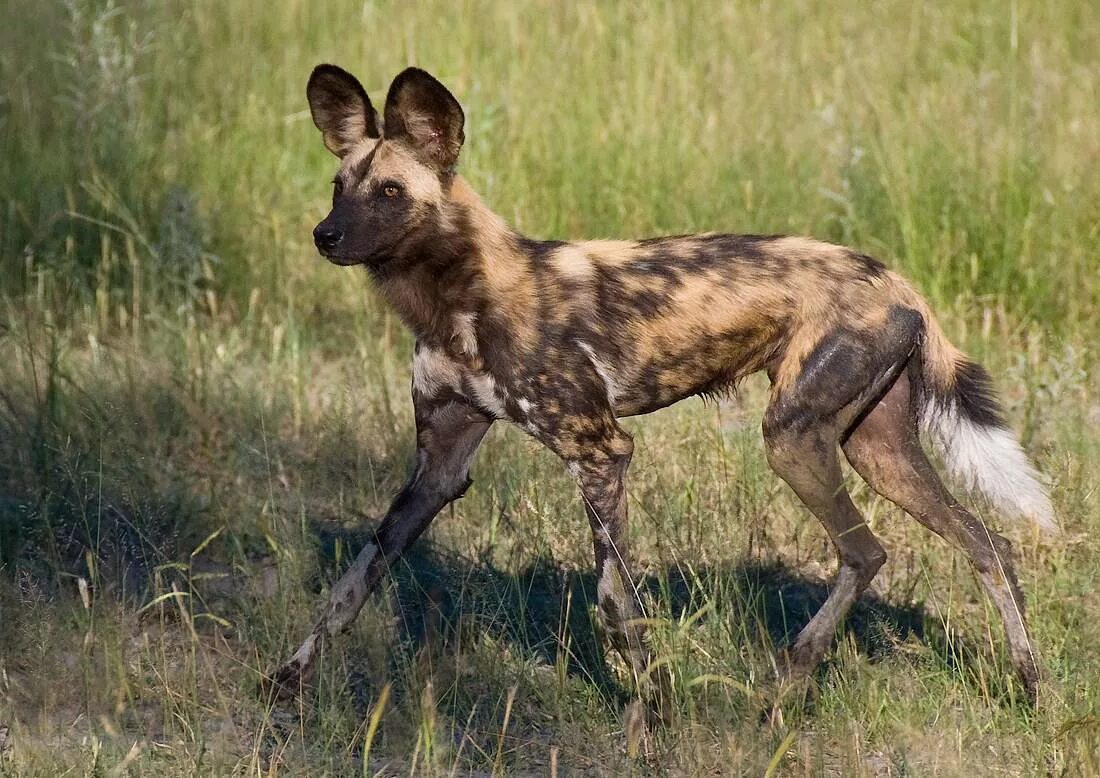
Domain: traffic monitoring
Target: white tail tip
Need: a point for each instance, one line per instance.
(990, 461)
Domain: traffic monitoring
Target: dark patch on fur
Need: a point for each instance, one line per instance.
(750, 247)
(538, 250)
(617, 304)
(845, 368)
(870, 266)
(695, 253)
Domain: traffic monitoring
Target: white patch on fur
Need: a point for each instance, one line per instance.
(352, 580)
(524, 405)
(611, 591)
(606, 587)
(304, 655)
(433, 370)
(484, 389)
(604, 371)
(465, 333)
(990, 461)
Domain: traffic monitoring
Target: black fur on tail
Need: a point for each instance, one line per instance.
(975, 397)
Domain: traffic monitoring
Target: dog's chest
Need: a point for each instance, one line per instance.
(436, 373)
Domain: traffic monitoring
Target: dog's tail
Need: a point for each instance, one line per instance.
(960, 412)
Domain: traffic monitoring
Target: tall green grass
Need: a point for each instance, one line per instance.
(953, 142)
(198, 417)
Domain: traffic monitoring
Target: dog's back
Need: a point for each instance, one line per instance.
(666, 318)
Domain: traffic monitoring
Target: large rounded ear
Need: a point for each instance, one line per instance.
(421, 113)
(341, 109)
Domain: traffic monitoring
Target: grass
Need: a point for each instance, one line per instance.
(199, 419)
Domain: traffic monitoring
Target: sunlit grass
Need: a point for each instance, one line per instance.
(199, 418)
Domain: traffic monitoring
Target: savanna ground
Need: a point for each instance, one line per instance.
(200, 420)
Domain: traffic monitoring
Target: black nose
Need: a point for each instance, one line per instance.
(327, 237)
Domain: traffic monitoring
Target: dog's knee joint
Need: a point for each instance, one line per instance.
(873, 562)
(459, 490)
(788, 436)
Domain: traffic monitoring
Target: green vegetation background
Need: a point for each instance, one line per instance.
(199, 417)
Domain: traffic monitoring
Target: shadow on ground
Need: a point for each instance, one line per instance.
(440, 594)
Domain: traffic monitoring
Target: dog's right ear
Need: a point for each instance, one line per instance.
(340, 108)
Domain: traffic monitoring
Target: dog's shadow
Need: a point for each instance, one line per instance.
(547, 612)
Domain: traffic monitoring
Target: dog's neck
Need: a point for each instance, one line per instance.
(468, 276)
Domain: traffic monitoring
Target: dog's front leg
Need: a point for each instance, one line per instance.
(448, 434)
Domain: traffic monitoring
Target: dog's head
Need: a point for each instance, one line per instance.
(394, 182)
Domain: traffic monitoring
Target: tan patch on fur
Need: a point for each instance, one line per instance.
(510, 286)
(465, 334)
(357, 154)
(608, 252)
(704, 307)
(393, 161)
(573, 262)
(806, 249)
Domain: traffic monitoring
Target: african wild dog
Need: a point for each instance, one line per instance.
(563, 338)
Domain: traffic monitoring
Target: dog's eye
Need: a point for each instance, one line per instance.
(391, 190)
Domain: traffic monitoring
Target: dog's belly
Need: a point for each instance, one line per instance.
(712, 366)
(671, 389)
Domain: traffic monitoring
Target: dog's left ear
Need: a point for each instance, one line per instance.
(421, 113)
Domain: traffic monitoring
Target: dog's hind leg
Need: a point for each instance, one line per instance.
(448, 434)
(803, 425)
(884, 448)
(807, 460)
